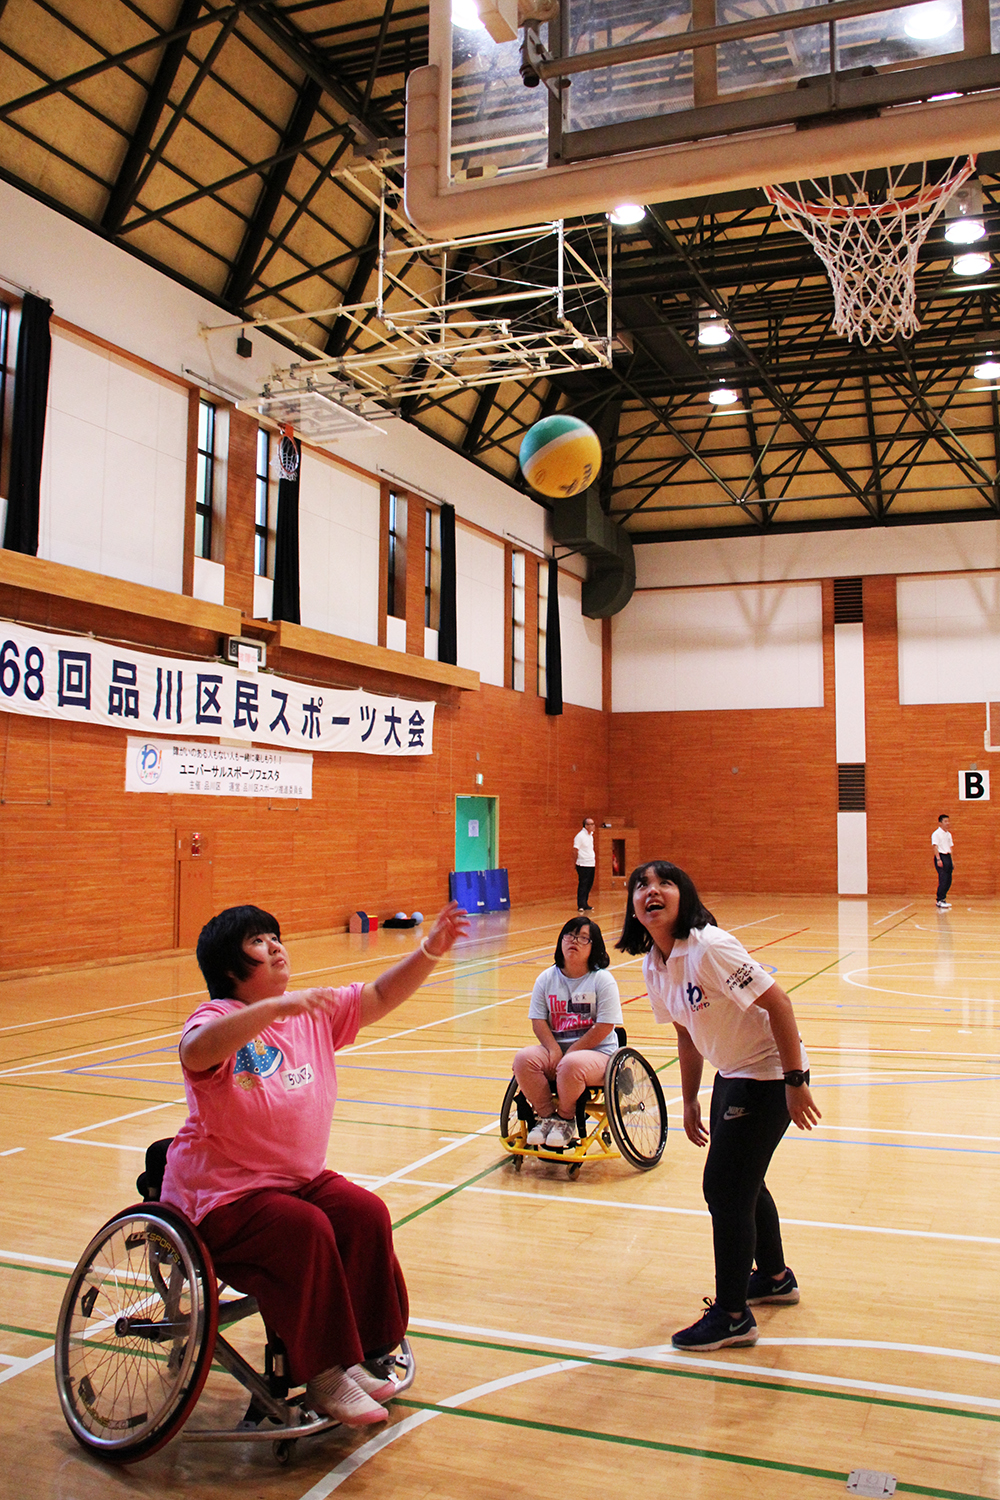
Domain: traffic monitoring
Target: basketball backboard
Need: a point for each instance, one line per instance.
(603, 103)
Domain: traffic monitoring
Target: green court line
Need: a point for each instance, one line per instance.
(900, 923)
(810, 977)
(16, 1265)
(680, 1449)
(28, 1333)
(35, 1088)
(442, 1197)
(771, 1386)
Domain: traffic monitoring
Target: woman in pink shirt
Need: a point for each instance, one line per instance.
(248, 1166)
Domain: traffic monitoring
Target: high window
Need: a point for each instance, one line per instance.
(205, 493)
(6, 394)
(517, 621)
(263, 552)
(395, 595)
(543, 606)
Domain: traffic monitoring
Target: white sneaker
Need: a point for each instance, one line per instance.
(944, 906)
(562, 1133)
(336, 1395)
(538, 1134)
(375, 1386)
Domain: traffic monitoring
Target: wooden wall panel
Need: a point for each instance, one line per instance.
(744, 800)
(91, 875)
(915, 752)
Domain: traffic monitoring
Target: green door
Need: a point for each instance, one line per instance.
(475, 833)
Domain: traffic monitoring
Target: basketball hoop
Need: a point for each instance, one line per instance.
(869, 240)
(288, 453)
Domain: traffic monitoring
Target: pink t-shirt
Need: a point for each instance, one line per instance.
(262, 1118)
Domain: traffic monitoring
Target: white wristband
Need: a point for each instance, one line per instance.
(427, 952)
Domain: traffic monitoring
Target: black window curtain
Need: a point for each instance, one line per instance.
(553, 645)
(285, 605)
(448, 624)
(31, 389)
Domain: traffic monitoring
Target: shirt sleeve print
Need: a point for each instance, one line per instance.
(737, 974)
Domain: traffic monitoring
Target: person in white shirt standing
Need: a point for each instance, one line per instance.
(586, 865)
(727, 1009)
(943, 845)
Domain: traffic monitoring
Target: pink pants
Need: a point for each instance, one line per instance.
(320, 1263)
(575, 1071)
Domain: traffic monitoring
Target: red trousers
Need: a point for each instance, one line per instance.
(320, 1263)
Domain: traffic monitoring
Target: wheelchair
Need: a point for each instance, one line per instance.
(139, 1330)
(626, 1116)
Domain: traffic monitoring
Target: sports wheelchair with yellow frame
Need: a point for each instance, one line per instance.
(626, 1115)
(139, 1330)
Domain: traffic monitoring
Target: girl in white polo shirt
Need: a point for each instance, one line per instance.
(728, 1010)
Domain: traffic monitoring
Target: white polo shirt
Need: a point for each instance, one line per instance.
(708, 985)
(942, 840)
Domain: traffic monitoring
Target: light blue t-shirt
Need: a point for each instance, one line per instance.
(573, 1006)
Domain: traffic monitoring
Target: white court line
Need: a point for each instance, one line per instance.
(551, 1201)
(665, 1355)
(37, 1260)
(13, 1150)
(353, 1462)
(895, 913)
(69, 1135)
(55, 1065)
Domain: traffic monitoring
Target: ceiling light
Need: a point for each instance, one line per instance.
(925, 22)
(712, 330)
(465, 15)
(988, 370)
(722, 396)
(964, 231)
(627, 213)
(972, 264)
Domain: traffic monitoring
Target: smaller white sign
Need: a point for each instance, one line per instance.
(194, 768)
(473, 828)
(973, 786)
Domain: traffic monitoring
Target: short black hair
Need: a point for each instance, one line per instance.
(942, 816)
(690, 913)
(599, 956)
(220, 946)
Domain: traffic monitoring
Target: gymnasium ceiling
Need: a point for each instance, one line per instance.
(226, 144)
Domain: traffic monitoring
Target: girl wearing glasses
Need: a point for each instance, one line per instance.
(574, 1009)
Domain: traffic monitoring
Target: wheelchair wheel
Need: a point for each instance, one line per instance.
(637, 1112)
(511, 1124)
(136, 1333)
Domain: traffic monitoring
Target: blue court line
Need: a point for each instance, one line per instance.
(823, 1140)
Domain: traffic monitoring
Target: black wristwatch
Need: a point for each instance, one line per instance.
(795, 1078)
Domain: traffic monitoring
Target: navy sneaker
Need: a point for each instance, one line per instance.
(715, 1329)
(765, 1289)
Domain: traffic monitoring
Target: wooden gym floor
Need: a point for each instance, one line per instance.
(542, 1308)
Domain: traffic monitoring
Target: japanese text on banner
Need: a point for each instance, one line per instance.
(88, 681)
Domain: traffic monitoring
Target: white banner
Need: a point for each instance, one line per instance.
(90, 682)
(215, 770)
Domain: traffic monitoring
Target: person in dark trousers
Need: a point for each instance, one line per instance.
(586, 865)
(727, 1009)
(943, 844)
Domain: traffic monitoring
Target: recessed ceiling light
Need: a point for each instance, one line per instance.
(722, 396)
(465, 15)
(972, 264)
(964, 231)
(712, 330)
(924, 22)
(988, 370)
(627, 213)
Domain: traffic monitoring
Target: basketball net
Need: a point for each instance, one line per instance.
(870, 248)
(288, 453)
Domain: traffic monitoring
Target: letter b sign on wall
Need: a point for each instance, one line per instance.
(973, 786)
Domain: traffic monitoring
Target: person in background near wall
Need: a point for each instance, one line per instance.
(586, 865)
(943, 845)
